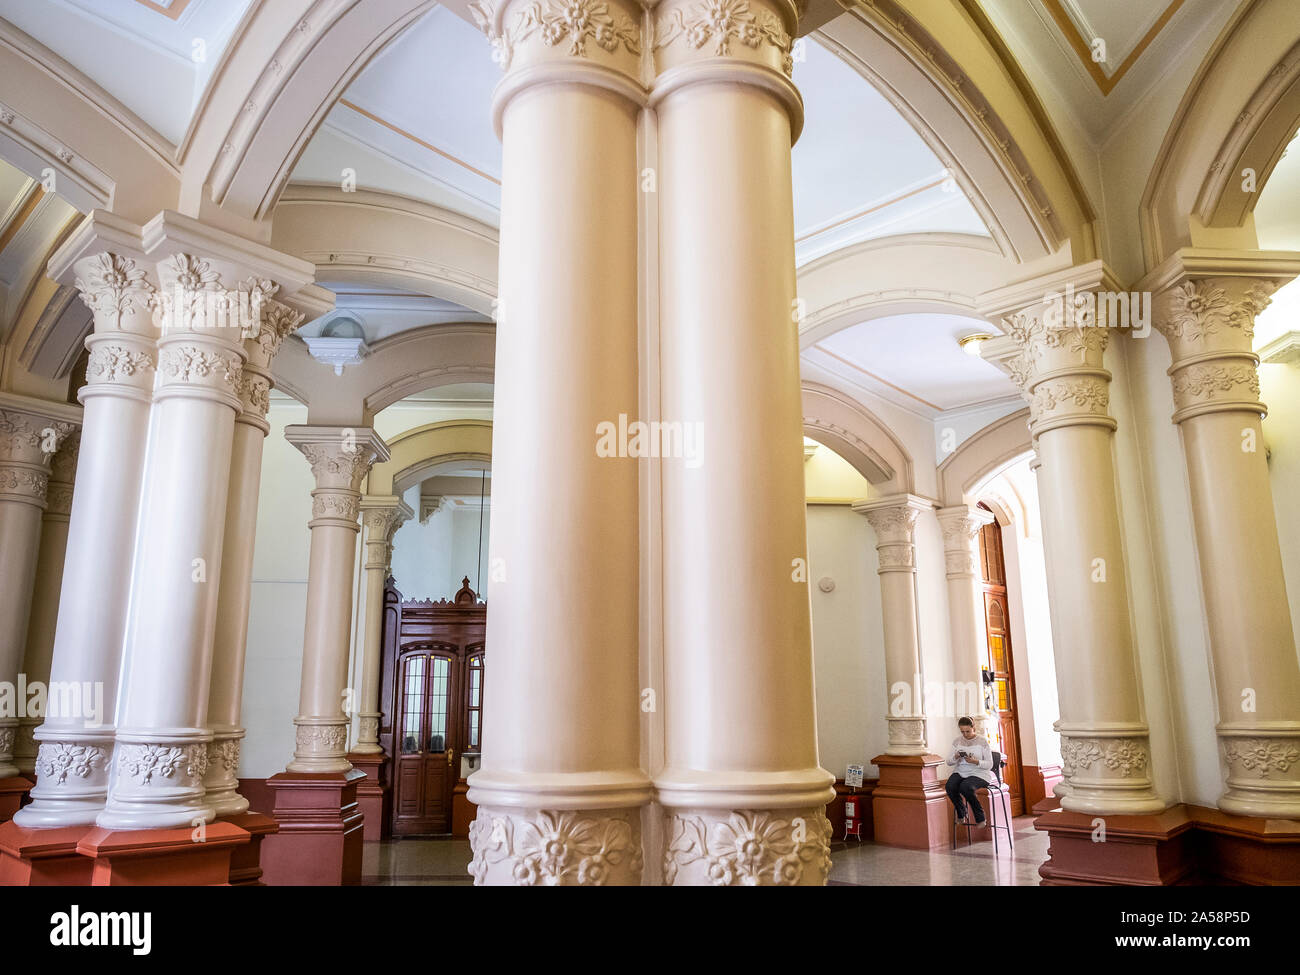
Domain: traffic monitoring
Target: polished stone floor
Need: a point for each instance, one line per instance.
(442, 861)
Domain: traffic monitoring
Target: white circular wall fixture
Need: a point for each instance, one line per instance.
(826, 584)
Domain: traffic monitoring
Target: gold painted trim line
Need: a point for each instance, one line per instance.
(417, 140)
(880, 379)
(172, 12)
(872, 209)
(21, 217)
(1106, 83)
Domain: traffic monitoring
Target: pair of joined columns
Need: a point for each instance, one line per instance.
(184, 330)
(1205, 307)
(616, 122)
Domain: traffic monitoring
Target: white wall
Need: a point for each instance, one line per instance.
(431, 559)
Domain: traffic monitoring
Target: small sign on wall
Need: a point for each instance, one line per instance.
(853, 777)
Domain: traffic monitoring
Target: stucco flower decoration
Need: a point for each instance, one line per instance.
(748, 848)
(1257, 297)
(112, 284)
(57, 760)
(1264, 756)
(1126, 757)
(554, 849)
(1194, 310)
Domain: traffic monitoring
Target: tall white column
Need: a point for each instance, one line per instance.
(742, 788)
(340, 457)
(1104, 735)
(75, 750)
(162, 738)
(1207, 312)
(560, 786)
(893, 519)
(45, 594)
(31, 432)
(382, 516)
(961, 526)
(231, 636)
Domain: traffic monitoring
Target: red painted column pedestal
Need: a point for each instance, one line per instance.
(319, 842)
(245, 861)
(1151, 851)
(43, 857)
(162, 857)
(373, 795)
(908, 805)
(13, 793)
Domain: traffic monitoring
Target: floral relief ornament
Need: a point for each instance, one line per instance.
(577, 21)
(57, 760)
(1198, 308)
(113, 285)
(555, 849)
(144, 762)
(1261, 756)
(750, 849)
(1124, 755)
(719, 22)
(108, 363)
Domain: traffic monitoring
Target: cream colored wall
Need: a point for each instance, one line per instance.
(430, 560)
(278, 606)
(278, 609)
(1279, 387)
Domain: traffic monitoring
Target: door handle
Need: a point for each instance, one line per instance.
(451, 753)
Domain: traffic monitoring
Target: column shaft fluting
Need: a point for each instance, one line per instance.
(1209, 323)
(560, 788)
(340, 457)
(893, 520)
(75, 749)
(742, 788)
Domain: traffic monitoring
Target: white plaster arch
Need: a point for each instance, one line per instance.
(444, 354)
(286, 65)
(852, 431)
(367, 237)
(895, 276)
(982, 457)
(414, 452)
(1240, 110)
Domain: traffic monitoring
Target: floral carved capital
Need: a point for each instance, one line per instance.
(111, 285)
(573, 23)
(716, 23)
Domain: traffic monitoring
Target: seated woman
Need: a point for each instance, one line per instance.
(974, 760)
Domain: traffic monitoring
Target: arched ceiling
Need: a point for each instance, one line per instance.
(154, 56)
(417, 123)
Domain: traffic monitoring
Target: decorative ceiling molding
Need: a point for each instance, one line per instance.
(853, 432)
(1082, 46)
(1036, 230)
(1258, 138)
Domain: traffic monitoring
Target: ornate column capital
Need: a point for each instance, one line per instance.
(32, 431)
(382, 515)
(960, 524)
(745, 42)
(893, 519)
(340, 457)
(584, 42)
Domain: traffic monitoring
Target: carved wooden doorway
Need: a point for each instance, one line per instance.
(997, 624)
(434, 657)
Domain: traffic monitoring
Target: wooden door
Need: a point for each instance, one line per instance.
(428, 729)
(997, 623)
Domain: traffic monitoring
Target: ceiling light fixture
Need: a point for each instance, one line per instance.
(970, 344)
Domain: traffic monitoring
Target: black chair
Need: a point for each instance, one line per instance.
(998, 793)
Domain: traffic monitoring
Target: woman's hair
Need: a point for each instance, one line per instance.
(963, 722)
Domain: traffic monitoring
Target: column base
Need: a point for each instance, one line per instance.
(320, 830)
(43, 857)
(1247, 849)
(375, 796)
(245, 865)
(909, 807)
(13, 795)
(1144, 851)
(162, 857)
